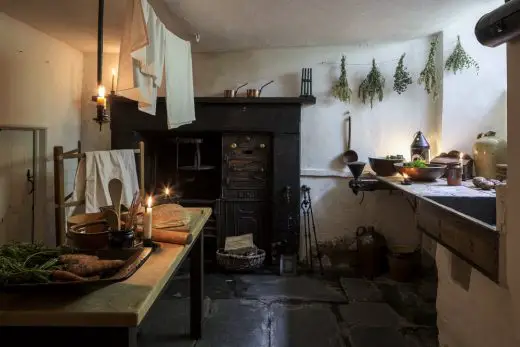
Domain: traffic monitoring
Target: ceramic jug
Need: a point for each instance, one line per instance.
(488, 151)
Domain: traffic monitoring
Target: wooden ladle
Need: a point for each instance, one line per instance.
(115, 188)
(349, 155)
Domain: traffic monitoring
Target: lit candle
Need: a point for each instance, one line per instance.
(461, 159)
(101, 100)
(406, 179)
(113, 80)
(148, 220)
(167, 192)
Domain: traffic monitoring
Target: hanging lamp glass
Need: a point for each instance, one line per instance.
(101, 98)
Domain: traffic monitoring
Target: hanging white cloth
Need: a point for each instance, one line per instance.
(96, 170)
(141, 56)
(180, 102)
(148, 49)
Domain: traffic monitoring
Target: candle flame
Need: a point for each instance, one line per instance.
(167, 191)
(405, 175)
(113, 71)
(101, 91)
(461, 156)
(149, 202)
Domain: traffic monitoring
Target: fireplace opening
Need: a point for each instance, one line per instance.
(189, 164)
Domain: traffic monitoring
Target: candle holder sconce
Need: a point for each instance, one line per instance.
(102, 116)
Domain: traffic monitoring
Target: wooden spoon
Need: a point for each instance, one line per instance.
(112, 219)
(115, 188)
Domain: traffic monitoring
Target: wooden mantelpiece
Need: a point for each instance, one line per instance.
(310, 100)
(300, 100)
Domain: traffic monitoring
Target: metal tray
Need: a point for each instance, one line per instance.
(133, 257)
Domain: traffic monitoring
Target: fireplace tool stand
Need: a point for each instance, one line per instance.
(308, 222)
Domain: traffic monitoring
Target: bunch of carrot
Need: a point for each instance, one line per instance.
(35, 263)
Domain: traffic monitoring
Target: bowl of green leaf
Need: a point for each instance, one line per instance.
(419, 170)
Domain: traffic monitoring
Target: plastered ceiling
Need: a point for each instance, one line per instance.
(244, 24)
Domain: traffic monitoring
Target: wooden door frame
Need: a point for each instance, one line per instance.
(39, 171)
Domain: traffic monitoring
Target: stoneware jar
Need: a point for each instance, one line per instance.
(488, 151)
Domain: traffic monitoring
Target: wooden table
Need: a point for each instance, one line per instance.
(109, 316)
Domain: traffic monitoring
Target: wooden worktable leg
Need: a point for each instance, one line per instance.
(196, 287)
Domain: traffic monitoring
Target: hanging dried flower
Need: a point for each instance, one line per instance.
(402, 78)
(341, 89)
(460, 60)
(428, 76)
(373, 85)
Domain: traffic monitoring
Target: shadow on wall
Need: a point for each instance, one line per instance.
(497, 116)
(338, 212)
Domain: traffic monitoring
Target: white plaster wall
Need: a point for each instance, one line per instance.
(91, 138)
(41, 86)
(473, 103)
(480, 316)
(338, 212)
(388, 128)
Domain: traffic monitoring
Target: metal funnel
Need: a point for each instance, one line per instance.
(356, 168)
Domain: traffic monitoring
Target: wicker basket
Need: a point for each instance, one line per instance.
(235, 262)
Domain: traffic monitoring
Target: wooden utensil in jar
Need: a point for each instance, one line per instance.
(115, 188)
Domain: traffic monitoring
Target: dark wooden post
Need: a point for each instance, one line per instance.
(59, 194)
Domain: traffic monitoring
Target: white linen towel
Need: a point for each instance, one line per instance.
(147, 49)
(180, 102)
(102, 166)
(141, 58)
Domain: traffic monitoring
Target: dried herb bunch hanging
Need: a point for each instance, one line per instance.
(402, 78)
(460, 60)
(428, 76)
(373, 85)
(341, 89)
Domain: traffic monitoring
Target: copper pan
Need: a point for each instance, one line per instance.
(255, 93)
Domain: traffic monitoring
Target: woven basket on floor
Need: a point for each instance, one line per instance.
(235, 262)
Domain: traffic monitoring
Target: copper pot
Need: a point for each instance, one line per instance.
(231, 93)
(255, 93)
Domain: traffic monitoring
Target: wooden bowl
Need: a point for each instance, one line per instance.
(89, 236)
(383, 166)
(84, 218)
(425, 174)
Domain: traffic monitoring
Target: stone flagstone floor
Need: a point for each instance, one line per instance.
(274, 311)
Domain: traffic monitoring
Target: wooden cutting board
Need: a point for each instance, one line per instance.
(170, 216)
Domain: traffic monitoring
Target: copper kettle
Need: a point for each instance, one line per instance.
(255, 93)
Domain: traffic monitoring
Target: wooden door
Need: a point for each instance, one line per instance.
(16, 195)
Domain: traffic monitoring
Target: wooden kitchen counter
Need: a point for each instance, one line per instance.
(461, 218)
(437, 188)
(122, 304)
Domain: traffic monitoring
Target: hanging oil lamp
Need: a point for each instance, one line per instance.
(101, 98)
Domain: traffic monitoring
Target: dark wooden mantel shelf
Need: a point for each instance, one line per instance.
(310, 100)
